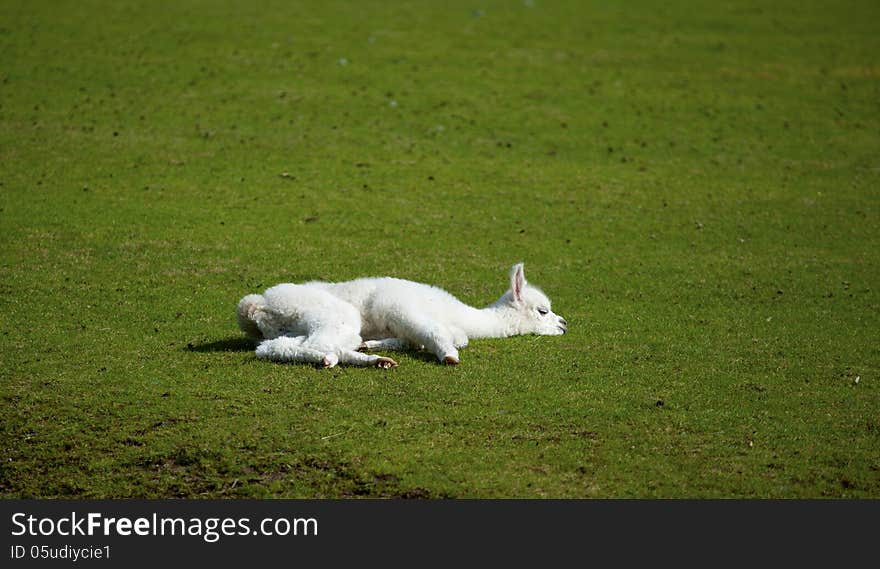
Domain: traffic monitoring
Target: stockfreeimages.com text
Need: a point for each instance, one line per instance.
(209, 529)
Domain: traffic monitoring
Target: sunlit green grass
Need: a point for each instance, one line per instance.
(694, 185)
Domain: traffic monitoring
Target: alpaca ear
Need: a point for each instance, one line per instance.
(517, 282)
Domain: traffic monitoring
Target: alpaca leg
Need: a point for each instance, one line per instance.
(296, 349)
(429, 333)
(395, 344)
(459, 338)
(352, 357)
(317, 350)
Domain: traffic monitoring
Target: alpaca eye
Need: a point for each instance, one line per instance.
(543, 311)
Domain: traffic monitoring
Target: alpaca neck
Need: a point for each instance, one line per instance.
(488, 322)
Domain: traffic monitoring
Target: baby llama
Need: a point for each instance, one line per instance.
(327, 323)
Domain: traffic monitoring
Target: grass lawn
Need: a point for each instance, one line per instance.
(695, 185)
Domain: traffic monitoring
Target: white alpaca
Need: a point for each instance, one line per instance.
(327, 323)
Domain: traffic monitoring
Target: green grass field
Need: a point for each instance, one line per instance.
(695, 185)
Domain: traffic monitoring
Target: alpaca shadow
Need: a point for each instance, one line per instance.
(422, 355)
(237, 344)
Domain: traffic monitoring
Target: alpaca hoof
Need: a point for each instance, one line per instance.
(385, 363)
(451, 360)
(362, 347)
(330, 360)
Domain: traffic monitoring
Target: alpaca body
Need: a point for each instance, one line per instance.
(325, 323)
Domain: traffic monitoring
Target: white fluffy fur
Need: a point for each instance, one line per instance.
(328, 323)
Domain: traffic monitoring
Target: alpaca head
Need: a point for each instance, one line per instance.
(527, 309)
